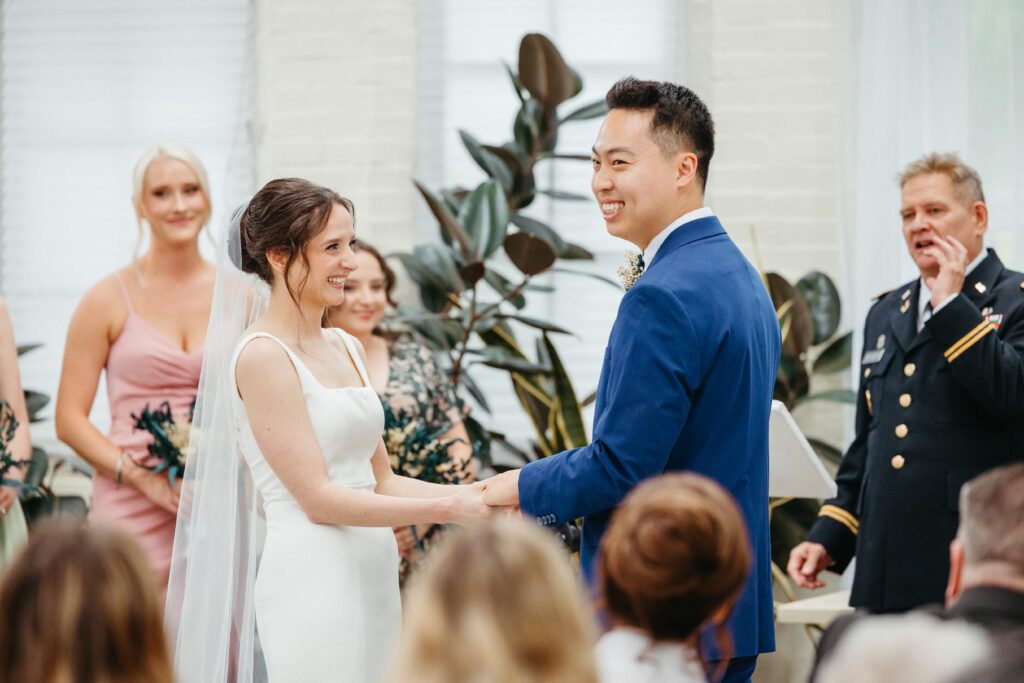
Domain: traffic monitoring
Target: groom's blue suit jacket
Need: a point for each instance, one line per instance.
(686, 384)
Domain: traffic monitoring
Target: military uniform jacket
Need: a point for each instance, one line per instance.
(934, 409)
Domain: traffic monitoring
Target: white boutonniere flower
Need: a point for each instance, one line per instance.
(632, 270)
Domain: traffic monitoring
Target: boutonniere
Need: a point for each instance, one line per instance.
(632, 270)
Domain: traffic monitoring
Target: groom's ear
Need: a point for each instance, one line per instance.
(686, 169)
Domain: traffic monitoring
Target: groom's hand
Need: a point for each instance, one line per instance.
(502, 490)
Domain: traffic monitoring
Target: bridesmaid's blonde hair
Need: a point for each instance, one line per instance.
(500, 604)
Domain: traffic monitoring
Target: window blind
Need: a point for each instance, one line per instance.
(86, 88)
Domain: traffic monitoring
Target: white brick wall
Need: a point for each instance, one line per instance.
(765, 70)
(337, 103)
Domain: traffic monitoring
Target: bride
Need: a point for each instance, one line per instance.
(296, 547)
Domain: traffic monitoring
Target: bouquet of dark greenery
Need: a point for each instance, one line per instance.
(8, 425)
(170, 439)
(417, 451)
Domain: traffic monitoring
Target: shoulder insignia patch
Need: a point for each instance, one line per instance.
(884, 292)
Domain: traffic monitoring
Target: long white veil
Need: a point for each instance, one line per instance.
(220, 530)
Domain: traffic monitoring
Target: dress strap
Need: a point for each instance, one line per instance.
(356, 358)
(124, 291)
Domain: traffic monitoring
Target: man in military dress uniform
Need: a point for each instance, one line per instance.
(941, 399)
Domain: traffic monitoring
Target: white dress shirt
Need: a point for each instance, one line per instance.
(627, 655)
(659, 239)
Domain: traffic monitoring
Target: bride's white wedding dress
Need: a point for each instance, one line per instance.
(327, 601)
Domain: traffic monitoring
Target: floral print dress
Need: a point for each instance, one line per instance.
(418, 392)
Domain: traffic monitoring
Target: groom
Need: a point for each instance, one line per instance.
(690, 366)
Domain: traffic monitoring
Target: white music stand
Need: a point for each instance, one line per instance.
(794, 470)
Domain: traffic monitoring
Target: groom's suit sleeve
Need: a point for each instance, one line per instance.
(651, 370)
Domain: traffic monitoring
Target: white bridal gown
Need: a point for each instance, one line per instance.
(327, 601)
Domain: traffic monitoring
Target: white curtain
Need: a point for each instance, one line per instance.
(87, 87)
(919, 76)
(464, 85)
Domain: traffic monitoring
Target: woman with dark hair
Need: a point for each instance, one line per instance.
(80, 604)
(419, 397)
(673, 560)
(307, 423)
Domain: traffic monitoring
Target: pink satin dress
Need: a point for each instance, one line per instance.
(143, 367)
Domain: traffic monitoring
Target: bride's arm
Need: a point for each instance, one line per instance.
(277, 413)
(391, 484)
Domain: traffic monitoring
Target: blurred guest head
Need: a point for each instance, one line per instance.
(293, 220)
(941, 197)
(171, 193)
(367, 294)
(80, 604)
(907, 647)
(499, 603)
(675, 556)
(989, 546)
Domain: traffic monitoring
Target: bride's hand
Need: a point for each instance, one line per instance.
(467, 507)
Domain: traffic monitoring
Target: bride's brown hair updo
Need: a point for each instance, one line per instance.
(284, 216)
(675, 552)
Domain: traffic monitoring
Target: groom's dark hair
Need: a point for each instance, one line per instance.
(680, 119)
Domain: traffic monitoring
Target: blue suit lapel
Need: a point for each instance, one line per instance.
(688, 233)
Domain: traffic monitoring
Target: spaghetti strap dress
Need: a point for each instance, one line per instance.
(144, 368)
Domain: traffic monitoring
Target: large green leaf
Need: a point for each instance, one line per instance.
(487, 160)
(438, 261)
(537, 324)
(587, 111)
(519, 365)
(801, 329)
(570, 418)
(480, 440)
(503, 286)
(516, 85)
(427, 324)
(571, 196)
(485, 216)
(574, 252)
(469, 384)
(822, 299)
(836, 356)
(543, 72)
(523, 188)
(538, 229)
(432, 288)
(446, 220)
(531, 255)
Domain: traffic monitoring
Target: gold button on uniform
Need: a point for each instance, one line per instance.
(909, 369)
(901, 431)
(905, 400)
(897, 462)
(867, 371)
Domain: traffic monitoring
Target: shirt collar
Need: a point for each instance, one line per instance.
(925, 295)
(659, 239)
